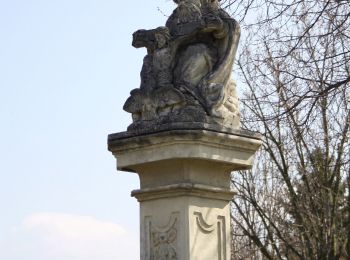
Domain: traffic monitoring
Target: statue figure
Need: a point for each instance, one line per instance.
(156, 90)
(186, 74)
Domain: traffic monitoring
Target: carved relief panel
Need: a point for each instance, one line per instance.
(161, 241)
(211, 240)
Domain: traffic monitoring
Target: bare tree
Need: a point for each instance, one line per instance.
(294, 66)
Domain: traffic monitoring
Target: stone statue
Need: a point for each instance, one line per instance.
(186, 74)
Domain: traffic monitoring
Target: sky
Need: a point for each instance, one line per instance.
(66, 69)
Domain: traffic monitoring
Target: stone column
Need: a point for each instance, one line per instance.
(184, 190)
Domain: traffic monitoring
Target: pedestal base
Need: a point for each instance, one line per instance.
(185, 227)
(185, 188)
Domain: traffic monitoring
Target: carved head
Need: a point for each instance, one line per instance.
(210, 4)
(188, 10)
(151, 39)
(162, 36)
(193, 10)
(141, 38)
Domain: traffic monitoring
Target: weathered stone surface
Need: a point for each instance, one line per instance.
(185, 189)
(186, 74)
(233, 151)
(185, 139)
(152, 129)
(185, 229)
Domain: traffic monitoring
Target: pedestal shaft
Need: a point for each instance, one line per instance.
(184, 190)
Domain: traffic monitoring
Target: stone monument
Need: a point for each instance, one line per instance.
(185, 138)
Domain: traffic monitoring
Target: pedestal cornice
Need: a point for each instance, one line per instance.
(233, 148)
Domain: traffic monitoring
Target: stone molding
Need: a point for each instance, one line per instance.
(235, 150)
(183, 189)
(182, 126)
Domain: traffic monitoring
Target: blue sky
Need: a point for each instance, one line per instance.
(66, 68)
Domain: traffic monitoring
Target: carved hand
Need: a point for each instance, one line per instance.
(212, 23)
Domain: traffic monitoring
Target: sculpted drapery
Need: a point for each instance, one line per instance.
(186, 74)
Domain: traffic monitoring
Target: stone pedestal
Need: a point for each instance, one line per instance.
(185, 188)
